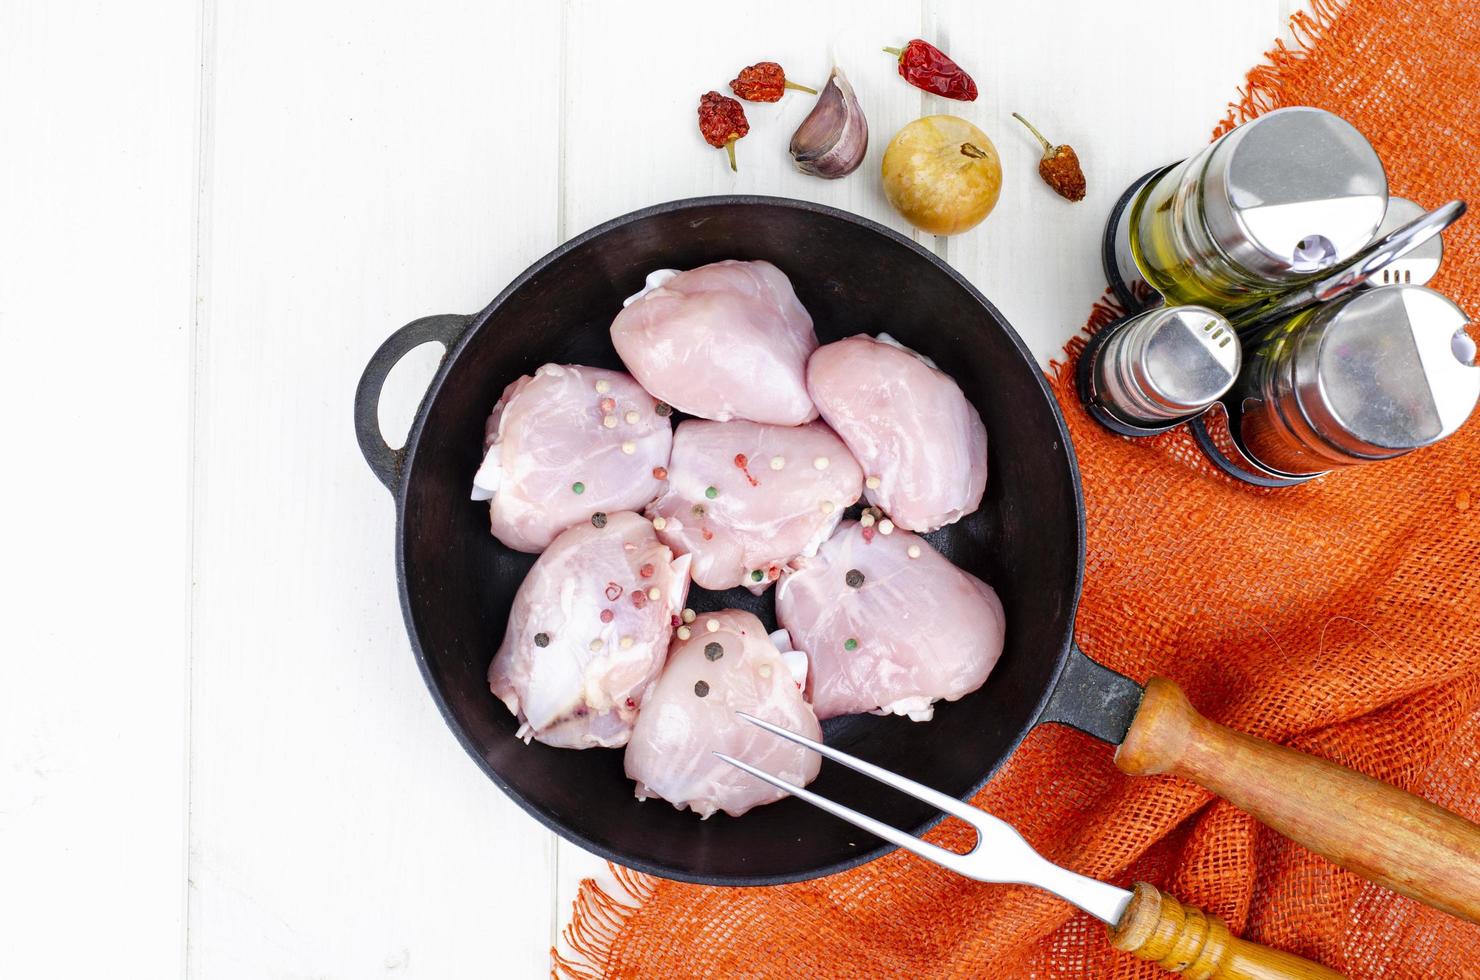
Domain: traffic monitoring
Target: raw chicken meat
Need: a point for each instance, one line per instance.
(564, 444)
(888, 623)
(691, 715)
(724, 341)
(744, 498)
(589, 631)
(921, 444)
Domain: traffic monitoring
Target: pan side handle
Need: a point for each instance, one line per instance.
(1092, 698)
(384, 461)
(1380, 832)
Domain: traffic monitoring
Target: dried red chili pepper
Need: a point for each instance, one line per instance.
(925, 66)
(722, 122)
(764, 81)
(1059, 166)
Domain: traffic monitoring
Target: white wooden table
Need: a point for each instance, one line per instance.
(217, 758)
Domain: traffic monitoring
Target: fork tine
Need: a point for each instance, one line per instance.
(909, 787)
(893, 835)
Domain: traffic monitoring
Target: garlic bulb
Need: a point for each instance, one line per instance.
(832, 140)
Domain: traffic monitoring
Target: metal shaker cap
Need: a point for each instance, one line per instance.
(1386, 371)
(1167, 363)
(1416, 267)
(1293, 192)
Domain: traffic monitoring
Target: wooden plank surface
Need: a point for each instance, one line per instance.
(216, 212)
(371, 162)
(96, 264)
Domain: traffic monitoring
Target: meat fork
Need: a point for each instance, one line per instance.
(1143, 922)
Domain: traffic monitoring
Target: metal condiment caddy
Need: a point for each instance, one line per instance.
(1272, 278)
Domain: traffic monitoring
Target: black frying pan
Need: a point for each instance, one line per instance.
(1027, 539)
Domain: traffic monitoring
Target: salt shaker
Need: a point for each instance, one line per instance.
(1263, 209)
(1157, 368)
(1371, 376)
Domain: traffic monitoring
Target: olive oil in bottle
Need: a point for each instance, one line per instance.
(1266, 208)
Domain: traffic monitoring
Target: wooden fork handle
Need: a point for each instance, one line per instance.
(1380, 832)
(1185, 940)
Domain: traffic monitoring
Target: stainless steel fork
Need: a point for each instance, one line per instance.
(1144, 922)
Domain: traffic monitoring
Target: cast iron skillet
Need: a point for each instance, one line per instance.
(1027, 539)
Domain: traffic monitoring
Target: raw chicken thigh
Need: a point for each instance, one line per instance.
(889, 624)
(724, 341)
(921, 444)
(744, 498)
(728, 665)
(589, 631)
(564, 444)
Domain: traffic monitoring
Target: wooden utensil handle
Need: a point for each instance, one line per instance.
(1188, 941)
(1378, 831)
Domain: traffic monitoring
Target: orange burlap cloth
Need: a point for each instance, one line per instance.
(1341, 617)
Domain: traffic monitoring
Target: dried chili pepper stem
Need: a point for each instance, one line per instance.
(730, 149)
(1047, 146)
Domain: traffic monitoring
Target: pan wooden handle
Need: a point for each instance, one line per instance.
(1380, 832)
(1188, 941)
